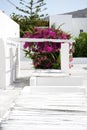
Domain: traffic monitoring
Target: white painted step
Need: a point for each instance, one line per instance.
(55, 79)
(49, 108)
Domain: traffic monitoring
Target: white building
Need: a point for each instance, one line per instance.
(71, 25)
(79, 25)
(8, 50)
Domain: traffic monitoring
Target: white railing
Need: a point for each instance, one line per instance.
(64, 48)
(10, 57)
(40, 40)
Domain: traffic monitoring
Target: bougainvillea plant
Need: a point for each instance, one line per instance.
(45, 55)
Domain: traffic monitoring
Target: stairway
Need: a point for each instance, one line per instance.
(48, 108)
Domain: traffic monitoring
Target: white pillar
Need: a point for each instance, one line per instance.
(18, 61)
(33, 81)
(2, 65)
(65, 57)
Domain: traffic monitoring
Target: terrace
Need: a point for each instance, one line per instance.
(42, 99)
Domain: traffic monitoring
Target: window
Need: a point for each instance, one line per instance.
(81, 30)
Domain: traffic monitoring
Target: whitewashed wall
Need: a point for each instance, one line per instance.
(72, 25)
(2, 65)
(9, 55)
(79, 24)
(8, 28)
(80, 60)
(66, 20)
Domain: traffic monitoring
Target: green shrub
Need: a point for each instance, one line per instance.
(26, 24)
(81, 45)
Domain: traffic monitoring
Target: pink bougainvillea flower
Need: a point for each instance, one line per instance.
(45, 54)
(48, 49)
(26, 45)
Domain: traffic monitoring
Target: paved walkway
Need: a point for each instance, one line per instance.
(44, 108)
(48, 108)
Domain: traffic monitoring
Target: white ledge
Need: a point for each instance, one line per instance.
(40, 40)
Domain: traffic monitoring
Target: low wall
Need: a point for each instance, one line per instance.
(9, 62)
(80, 60)
(64, 53)
(55, 79)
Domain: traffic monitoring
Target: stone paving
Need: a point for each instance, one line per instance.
(48, 108)
(41, 108)
(8, 96)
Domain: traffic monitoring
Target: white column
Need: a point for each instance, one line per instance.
(33, 81)
(18, 61)
(2, 65)
(85, 85)
(65, 57)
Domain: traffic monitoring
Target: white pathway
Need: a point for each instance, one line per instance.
(48, 108)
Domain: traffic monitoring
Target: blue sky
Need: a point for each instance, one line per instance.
(53, 6)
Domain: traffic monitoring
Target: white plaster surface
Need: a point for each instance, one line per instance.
(2, 64)
(79, 24)
(80, 60)
(8, 28)
(50, 108)
(64, 20)
(7, 97)
(71, 25)
(9, 56)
